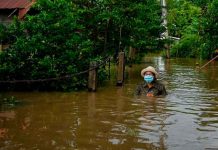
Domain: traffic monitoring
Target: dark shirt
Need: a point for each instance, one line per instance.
(158, 89)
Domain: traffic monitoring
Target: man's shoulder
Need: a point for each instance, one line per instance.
(159, 84)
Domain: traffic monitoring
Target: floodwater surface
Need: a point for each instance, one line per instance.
(113, 118)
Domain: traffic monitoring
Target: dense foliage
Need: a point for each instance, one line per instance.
(61, 37)
(209, 31)
(195, 22)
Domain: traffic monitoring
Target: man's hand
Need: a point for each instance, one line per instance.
(150, 94)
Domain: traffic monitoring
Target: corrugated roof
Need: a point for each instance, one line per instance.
(12, 4)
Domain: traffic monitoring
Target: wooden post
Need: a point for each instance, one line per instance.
(132, 52)
(5, 46)
(120, 69)
(92, 82)
(1, 47)
(109, 68)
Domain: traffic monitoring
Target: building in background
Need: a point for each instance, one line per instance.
(11, 8)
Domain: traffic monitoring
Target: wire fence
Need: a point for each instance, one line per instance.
(58, 78)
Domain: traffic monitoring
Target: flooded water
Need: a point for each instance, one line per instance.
(113, 118)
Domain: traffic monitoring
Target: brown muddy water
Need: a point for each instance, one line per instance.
(114, 119)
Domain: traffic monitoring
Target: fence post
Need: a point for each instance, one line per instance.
(132, 52)
(131, 57)
(120, 69)
(1, 47)
(92, 82)
(109, 68)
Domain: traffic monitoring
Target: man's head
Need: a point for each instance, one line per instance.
(149, 70)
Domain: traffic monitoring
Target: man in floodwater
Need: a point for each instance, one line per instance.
(151, 87)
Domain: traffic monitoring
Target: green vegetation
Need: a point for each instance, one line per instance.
(61, 37)
(195, 22)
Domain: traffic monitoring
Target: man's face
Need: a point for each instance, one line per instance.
(148, 73)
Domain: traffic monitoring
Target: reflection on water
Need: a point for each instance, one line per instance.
(113, 118)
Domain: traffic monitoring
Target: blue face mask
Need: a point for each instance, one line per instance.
(148, 78)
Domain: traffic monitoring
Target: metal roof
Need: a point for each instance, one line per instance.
(12, 4)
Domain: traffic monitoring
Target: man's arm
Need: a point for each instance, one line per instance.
(138, 90)
(163, 92)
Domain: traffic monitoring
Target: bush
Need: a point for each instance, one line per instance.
(49, 44)
(188, 46)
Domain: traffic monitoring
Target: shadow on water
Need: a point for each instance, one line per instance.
(113, 118)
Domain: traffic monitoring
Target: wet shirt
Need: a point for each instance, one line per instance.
(157, 89)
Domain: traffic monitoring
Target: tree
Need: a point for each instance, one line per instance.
(51, 43)
(210, 33)
(117, 24)
(182, 16)
(60, 37)
(185, 22)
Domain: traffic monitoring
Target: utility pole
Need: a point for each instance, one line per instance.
(165, 35)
